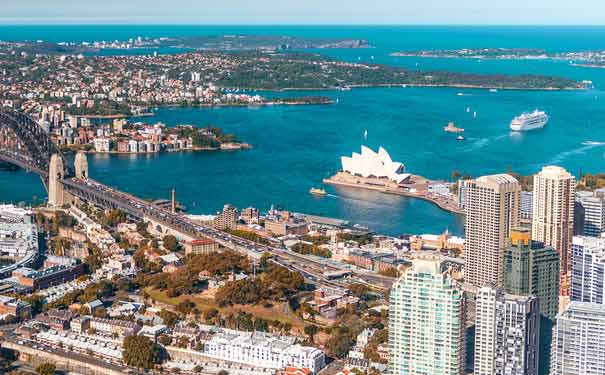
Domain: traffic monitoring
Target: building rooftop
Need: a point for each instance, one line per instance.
(554, 172)
(585, 311)
(497, 179)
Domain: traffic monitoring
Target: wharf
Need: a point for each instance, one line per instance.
(322, 220)
(416, 188)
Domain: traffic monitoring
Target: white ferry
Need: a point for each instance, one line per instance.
(529, 121)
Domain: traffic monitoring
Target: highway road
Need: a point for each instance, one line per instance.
(311, 268)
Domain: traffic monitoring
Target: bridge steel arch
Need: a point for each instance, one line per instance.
(24, 143)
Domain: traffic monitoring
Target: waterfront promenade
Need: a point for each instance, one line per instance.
(416, 188)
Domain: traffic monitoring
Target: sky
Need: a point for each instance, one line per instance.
(282, 12)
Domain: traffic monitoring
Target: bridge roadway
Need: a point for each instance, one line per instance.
(312, 269)
(16, 159)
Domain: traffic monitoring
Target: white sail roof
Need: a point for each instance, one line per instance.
(374, 164)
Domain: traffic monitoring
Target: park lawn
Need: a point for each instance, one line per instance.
(279, 311)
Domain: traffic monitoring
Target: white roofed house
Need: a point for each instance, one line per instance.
(374, 164)
(263, 350)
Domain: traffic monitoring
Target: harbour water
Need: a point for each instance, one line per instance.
(294, 148)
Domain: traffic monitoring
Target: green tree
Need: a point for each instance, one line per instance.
(164, 339)
(264, 259)
(370, 350)
(340, 342)
(141, 352)
(311, 331)
(170, 243)
(46, 369)
(114, 217)
(169, 318)
(36, 302)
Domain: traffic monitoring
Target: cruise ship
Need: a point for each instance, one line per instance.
(529, 121)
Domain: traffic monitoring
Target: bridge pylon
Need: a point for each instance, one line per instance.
(81, 165)
(56, 173)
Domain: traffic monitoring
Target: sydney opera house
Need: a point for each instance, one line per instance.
(374, 164)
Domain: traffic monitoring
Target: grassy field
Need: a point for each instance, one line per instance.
(279, 311)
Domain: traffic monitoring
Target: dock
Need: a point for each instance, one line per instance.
(416, 188)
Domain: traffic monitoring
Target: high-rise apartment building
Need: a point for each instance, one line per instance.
(588, 269)
(553, 210)
(527, 205)
(590, 213)
(427, 322)
(531, 268)
(492, 210)
(578, 346)
(506, 333)
(227, 219)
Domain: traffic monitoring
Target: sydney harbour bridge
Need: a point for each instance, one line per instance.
(24, 143)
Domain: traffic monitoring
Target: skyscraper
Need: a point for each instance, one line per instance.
(588, 269)
(553, 210)
(532, 268)
(427, 322)
(492, 210)
(527, 205)
(506, 333)
(578, 346)
(591, 208)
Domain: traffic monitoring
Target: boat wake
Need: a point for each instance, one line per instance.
(580, 150)
(479, 143)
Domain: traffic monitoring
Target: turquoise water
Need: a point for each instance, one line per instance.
(296, 147)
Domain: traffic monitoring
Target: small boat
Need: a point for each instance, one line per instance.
(475, 114)
(468, 109)
(460, 138)
(365, 134)
(318, 192)
(451, 128)
(493, 90)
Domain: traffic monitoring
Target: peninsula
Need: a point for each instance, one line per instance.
(122, 137)
(131, 84)
(593, 59)
(376, 171)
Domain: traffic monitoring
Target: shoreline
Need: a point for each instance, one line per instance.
(336, 180)
(149, 114)
(404, 85)
(331, 101)
(240, 146)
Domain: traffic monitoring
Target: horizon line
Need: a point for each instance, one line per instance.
(126, 23)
